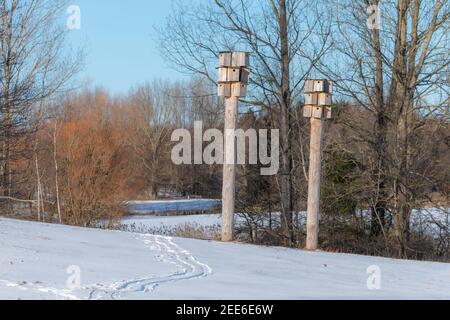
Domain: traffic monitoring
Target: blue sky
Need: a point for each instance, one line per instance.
(120, 42)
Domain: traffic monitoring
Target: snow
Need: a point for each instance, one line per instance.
(434, 222)
(173, 221)
(35, 258)
(171, 225)
(145, 207)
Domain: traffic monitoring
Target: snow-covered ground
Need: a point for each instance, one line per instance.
(146, 207)
(173, 221)
(434, 222)
(35, 258)
(206, 226)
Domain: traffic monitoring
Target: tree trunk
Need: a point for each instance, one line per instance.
(379, 210)
(55, 160)
(38, 182)
(285, 132)
(398, 94)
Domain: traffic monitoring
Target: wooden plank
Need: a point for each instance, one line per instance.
(229, 170)
(223, 75)
(324, 99)
(307, 111)
(244, 75)
(315, 172)
(311, 98)
(317, 112)
(321, 86)
(225, 59)
(328, 113)
(224, 90)
(330, 87)
(233, 74)
(238, 89)
(309, 86)
(240, 59)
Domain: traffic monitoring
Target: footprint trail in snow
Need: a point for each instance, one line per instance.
(166, 251)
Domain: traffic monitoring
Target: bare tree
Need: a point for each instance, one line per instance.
(55, 161)
(392, 72)
(34, 65)
(153, 112)
(285, 37)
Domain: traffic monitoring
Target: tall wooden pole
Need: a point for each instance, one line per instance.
(315, 172)
(229, 170)
(233, 80)
(318, 96)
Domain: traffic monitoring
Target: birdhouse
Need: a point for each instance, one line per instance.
(330, 87)
(244, 75)
(240, 60)
(307, 111)
(223, 75)
(321, 86)
(224, 90)
(309, 86)
(234, 75)
(324, 99)
(225, 59)
(328, 114)
(311, 98)
(238, 90)
(317, 112)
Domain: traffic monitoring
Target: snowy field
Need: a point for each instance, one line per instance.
(434, 222)
(146, 207)
(209, 224)
(173, 221)
(35, 258)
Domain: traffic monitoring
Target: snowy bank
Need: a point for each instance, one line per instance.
(35, 259)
